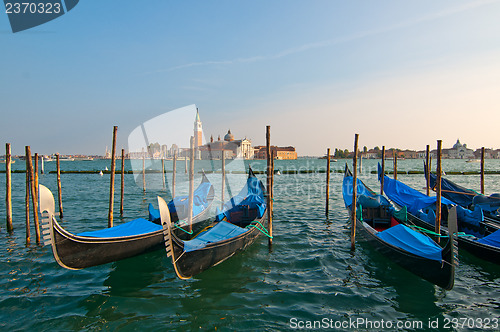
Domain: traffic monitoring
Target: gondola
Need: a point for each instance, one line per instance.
(477, 237)
(378, 222)
(78, 251)
(469, 199)
(235, 228)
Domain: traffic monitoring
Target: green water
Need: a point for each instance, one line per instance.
(310, 274)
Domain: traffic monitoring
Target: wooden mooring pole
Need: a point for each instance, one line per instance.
(427, 170)
(34, 199)
(223, 178)
(174, 171)
(41, 168)
(36, 175)
(8, 186)
(122, 186)
(143, 171)
(191, 184)
(163, 172)
(354, 193)
(273, 158)
(383, 172)
(185, 164)
(482, 170)
(112, 179)
(59, 192)
(27, 203)
(327, 181)
(438, 190)
(269, 185)
(395, 159)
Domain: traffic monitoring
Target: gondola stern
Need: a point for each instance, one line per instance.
(49, 223)
(47, 211)
(450, 251)
(167, 235)
(453, 234)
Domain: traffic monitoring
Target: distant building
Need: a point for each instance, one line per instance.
(488, 154)
(371, 154)
(458, 151)
(285, 153)
(174, 149)
(229, 147)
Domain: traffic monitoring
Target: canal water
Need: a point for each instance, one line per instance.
(309, 279)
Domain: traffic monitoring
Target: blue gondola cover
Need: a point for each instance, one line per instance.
(222, 231)
(250, 197)
(411, 241)
(493, 239)
(180, 203)
(134, 227)
(416, 202)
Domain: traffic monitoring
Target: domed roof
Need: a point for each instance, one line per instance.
(229, 137)
(457, 144)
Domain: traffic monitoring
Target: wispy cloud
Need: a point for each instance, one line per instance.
(339, 40)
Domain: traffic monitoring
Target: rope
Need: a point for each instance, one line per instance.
(424, 230)
(179, 227)
(263, 230)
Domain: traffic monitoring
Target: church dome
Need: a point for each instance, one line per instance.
(229, 137)
(457, 144)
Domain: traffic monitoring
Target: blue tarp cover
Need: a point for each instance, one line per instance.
(415, 201)
(411, 241)
(252, 195)
(134, 227)
(493, 239)
(222, 231)
(460, 195)
(489, 203)
(180, 204)
(347, 190)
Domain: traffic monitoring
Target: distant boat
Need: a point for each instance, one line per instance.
(67, 159)
(472, 161)
(106, 168)
(100, 173)
(4, 161)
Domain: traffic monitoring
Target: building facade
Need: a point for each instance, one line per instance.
(282, 153)
(458, 151)
(229, 147)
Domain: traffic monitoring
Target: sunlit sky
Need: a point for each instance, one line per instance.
(400, 73)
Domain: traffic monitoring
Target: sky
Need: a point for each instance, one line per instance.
(399, 73)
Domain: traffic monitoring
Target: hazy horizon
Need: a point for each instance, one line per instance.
(400, 74)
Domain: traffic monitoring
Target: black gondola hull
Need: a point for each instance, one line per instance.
(189, 264)
(77, 252)
(74, 252)
(480, 250)
(439, 273)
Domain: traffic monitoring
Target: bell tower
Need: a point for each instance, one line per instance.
(197, 131)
